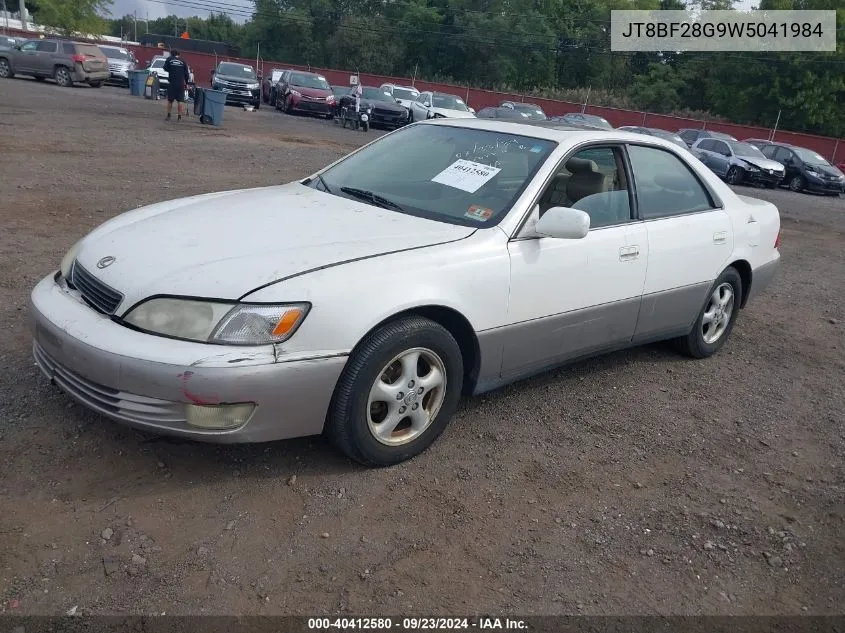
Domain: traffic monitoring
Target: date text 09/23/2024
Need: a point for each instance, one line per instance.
(416, 624)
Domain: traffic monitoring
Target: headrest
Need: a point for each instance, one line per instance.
(576, 165)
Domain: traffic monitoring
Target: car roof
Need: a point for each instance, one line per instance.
(548, 130)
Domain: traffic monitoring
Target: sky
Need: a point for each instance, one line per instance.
(161, 8)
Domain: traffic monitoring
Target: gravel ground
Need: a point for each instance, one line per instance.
(636, 483)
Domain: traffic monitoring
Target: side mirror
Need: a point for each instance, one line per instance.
(472, 110)
(563, 223)
(427, 104)
(399, 101)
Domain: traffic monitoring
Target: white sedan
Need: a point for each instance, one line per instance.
(448, 257)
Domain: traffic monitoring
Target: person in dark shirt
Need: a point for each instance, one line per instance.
(178, 77)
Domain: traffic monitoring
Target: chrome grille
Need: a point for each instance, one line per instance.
(100, 296)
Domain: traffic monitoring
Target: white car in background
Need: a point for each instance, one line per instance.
(404, 95)
(438, 105)
(156, 67)
(364, 300)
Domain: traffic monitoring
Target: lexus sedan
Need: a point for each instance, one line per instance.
(362, 301)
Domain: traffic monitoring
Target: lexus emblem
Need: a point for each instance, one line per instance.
(107, 261)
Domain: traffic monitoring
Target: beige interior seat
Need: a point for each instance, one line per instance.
(586, 179)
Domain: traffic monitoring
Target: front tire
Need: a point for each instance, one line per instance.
(734, 176)
(397, 392)
(716, 319)
(5, 69)
(796, 184)
(63, 77)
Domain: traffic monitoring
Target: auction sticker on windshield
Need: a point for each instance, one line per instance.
(466, 175)
(477, 212)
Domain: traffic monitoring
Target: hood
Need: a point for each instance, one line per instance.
(762, 163)
(236, 79)
(828, 170)
(385, 106)
(454, 114)
(224, 245)
(312, 92)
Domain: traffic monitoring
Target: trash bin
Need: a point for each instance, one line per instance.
(213, 105)
(136, 82)
(151, 86)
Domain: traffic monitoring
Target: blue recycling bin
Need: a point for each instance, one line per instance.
(213, 105)
(136, 82)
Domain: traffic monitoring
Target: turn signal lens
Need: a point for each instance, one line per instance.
(288, 321)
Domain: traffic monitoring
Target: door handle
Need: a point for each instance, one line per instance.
(720, 238)
(627, 253)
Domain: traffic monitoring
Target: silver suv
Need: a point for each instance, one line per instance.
(66, 62)
(121, 61)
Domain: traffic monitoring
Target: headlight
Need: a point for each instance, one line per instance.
(219, 322)
(67, 260)
(752, 168)
(296, 93)
(330, 99)
(253, 86)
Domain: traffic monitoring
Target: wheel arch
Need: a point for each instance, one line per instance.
(456, 324)
(745, 274)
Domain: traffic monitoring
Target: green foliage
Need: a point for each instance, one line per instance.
(70, 16)
(554, 48)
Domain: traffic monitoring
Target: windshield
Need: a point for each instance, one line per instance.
(455, 175)
(404, 93)
(744, 149)
(809, 156)
(531, 111)
(236, 70)
(307, 80)
(448, 102)
(157, 63)
(376, 94)
(116, 53)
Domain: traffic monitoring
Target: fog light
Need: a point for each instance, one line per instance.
(219, 416)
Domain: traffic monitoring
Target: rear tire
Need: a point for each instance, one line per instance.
(716, 318)
(396, 394)
(63, 77)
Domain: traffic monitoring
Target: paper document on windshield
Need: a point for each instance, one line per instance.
(466, 175)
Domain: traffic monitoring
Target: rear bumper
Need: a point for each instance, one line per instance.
(762, 276)
(80, 74)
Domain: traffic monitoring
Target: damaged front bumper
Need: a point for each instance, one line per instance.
(211, 393)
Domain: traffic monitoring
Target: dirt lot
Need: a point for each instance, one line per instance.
(641, 482)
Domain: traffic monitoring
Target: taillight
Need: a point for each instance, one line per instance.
(777, 241)
(78, 58)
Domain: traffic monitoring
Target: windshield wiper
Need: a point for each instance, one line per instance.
(376, 199)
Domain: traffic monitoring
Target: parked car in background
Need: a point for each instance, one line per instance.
(121, 61)
(156, 67)
(502, 113)
(300, 91)
(530, 110)
(380, 106)
(65, 61)
(584, 120)
(405, 95)
(339, 92)
(250, 315)
(268, 84)
(653, 131)
(439, 105)
(691, 135)
(239, 82)
(738, 162)
(759, 143)
(806, 170)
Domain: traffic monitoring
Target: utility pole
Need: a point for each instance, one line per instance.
(6, 13)
(175, 26)
(775, 130)
(135, 15)
(23, 16)
(586, 99)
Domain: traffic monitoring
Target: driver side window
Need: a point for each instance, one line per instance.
(29, 46)
(592, 180)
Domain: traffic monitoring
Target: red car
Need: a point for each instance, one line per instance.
(305, 92)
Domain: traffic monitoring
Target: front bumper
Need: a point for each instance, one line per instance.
(314, 107)
(148, 381)
(238, 96)
(388, 120)
(817, 185)
(763, 177)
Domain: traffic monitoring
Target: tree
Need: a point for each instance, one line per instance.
(72, 16)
